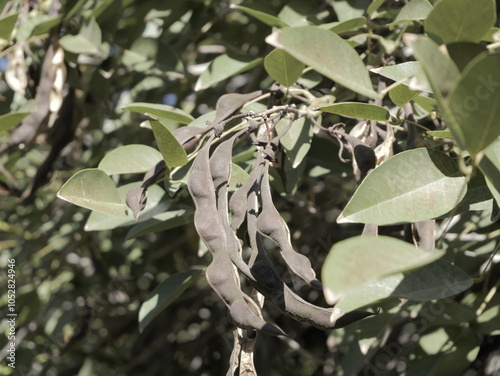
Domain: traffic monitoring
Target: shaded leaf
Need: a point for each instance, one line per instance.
(161, 111)
(446, 133)
(357, 110)
(462, 53)
(260, 13)
(439, 68)
(156, 204)
(411, 186)
(173, 152)
(437, 280)
(165, 294)
(228, 104)
(223, 67)
(490, 166)
(353, 262)
(328, 54)
(7, 24)
(38, 25)
(413, 11)
(93, 189)
(130, 159)
(283, 68)
(86, 42)
(10, 120)
(161, 222)
(460, 20)
(297, 141)
(473, 109)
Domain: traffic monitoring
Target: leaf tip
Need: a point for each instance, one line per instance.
(331, 297)
(273, 39)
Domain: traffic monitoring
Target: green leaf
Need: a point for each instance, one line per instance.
(223, 67)
(349, 9)
(439, 68)
(93, 189)
(490, 166)
(328, 54)
(460, 20)
(161, 222)
(346, 26)
(98, 221)
(358, 260)
(411, 186)
(357, 110)
(161, 111)
(10, 120)
(173, 153)
(413, 11)
(297, 141)
(130, 159)
(260, 13)
(238, 177)
(165, 294)
(437, 280)
(7, 24)
(399, 72)
(440, 134)
(88, 41)
(473, 109)
(284, 68)
(37, 25)
(402, 94)
(462, 53)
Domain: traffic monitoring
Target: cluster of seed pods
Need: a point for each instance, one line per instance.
(218, 219)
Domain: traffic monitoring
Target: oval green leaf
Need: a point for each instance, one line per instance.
(297, 141)
(93, 189)
(413, 11)
(165, 294)
(283, 67)
(98, 221)
(411, 186)
(10, 120)
(161, 222)
(161, 111)
(7, 24)
(356, 261)
(460, 20)
(130, 159)
(437, 280)
(402, 94)
(473, 105)
(357, 110)
(173, 152)
(223, 67)
(328, 54)
(263, 15)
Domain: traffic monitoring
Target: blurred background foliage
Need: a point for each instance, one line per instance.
(79, 292)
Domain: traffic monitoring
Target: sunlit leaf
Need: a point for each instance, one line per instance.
(165, 294)
(358, 260)
(223, 67)
(411, 186)
(357, 110)
(86, 42)
(161, 111)
(284, 68)
(446, 133)
(173, 152)
(156, 204)
(328, 54)
(297, 140)
(460, 20)
(402, 94)
(345, 26)
(130, 159)
(93, 189)
(238, 177)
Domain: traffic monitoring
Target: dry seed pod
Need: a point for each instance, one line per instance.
(221, 273)
(271, 224)
(281, 296)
